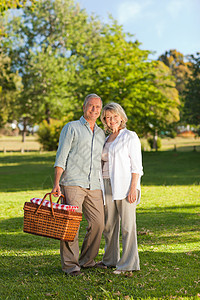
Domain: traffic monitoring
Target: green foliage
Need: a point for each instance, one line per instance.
(171, 133)
(64, 54)
(12, 4)
(157, 142)
(45, 48)
(10, 85)
(120, 71)
(192, 93)
(179, 67)
(166, 84)
(48, 134)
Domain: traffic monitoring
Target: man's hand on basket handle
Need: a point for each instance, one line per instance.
(56, 187)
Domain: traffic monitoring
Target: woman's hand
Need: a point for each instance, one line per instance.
(132, 196)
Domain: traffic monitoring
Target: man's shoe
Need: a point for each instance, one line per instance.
(74, 273)
(89, 267)
(100, 265)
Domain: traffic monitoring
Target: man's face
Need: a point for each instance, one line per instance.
(92, 109)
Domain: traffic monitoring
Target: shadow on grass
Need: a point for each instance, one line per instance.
(34, 171)
(34, 157)
(171, 168)
(188, 148)
(27, 172)
(30, 265)
(156, 226)
(162, 275)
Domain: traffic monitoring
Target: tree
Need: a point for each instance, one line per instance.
(120, 71)
(12, 4)
(166, 83)
(180, 69)
(192, 92)
(10, 85)
(44, 48)
(10, 82)
(63, 54)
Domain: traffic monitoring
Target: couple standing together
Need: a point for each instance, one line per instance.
(83, 158)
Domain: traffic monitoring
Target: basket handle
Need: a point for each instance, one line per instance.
(61, 196)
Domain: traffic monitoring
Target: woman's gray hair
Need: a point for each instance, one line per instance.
(114, 108)
(88, 97)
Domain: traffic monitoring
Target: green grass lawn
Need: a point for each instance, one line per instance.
(178, 143)
(168, 221)
(14, 143)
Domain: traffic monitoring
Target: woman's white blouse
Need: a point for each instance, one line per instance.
(124, 158)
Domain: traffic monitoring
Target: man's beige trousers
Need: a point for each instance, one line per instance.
(90, 202)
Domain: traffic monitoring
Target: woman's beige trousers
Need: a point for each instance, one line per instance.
(116, 211)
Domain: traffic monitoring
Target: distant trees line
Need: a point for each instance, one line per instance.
(52, 54)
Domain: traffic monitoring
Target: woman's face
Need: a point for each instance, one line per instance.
(113, 120)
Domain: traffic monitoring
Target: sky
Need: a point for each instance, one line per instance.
(159, 25)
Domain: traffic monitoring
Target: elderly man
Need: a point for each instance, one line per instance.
(78, 162)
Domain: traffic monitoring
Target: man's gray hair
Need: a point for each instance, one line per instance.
(88, 97)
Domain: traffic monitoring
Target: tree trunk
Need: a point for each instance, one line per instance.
(24, 130)
(155, 146)
(48, 115)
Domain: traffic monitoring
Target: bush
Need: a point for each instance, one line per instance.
(172, 134)
(48, 134)
(158, 143)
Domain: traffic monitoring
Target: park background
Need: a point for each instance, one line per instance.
(53, 53)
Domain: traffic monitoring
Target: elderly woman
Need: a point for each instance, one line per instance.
(122, 169)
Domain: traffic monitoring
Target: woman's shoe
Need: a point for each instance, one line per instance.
(118, 272)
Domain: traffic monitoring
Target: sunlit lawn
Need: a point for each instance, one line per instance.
(168, 220)
(14, 143)
(178, 144)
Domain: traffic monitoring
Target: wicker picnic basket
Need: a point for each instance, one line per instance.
(51, 222)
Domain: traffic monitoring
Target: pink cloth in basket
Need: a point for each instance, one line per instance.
(55, 205)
